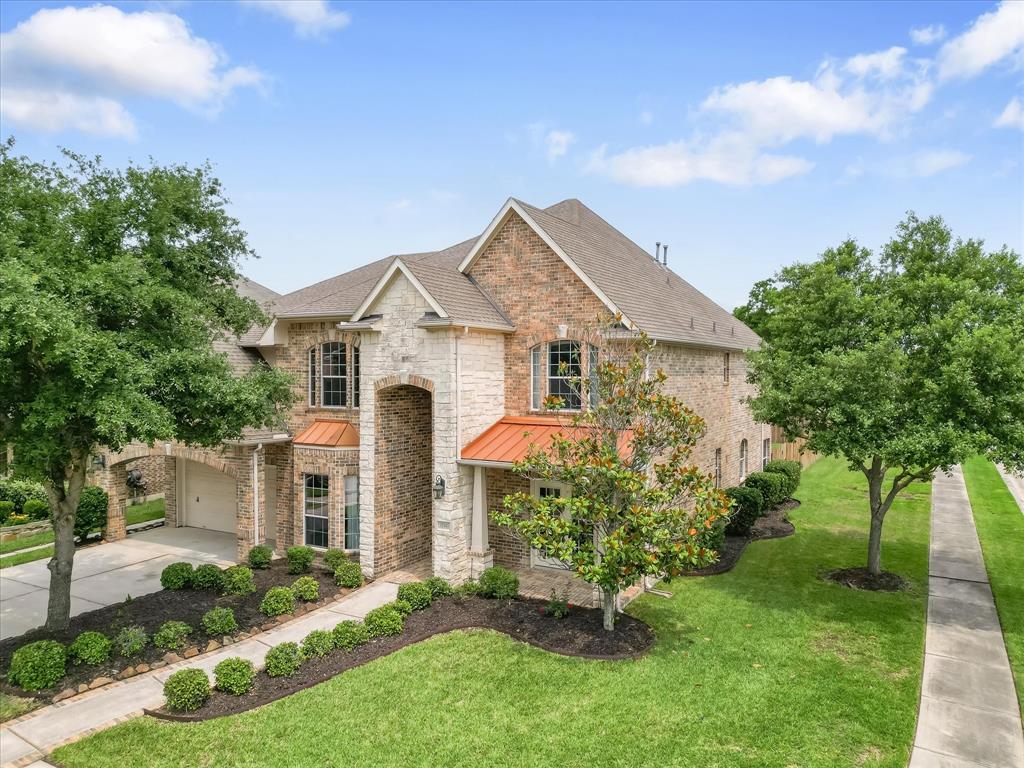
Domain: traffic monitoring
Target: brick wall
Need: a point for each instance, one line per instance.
(336, 464)
(509, 550)
(402, 491)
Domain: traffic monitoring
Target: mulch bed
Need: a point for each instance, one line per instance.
(772, 525)
(861, 578)
(579, 634)
(151, 611)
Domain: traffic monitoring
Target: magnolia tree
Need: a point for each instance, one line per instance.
(901, 364)
(635, 506)
(113, 284)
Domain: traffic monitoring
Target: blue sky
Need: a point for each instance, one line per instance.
(747, 136)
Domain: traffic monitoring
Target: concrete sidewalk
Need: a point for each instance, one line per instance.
(42, 731)
(969, 717)
(1015, 483)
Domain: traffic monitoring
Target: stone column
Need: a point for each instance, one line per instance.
(117, 499)
(170, 482)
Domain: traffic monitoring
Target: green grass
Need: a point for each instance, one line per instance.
(15, 706)
(25, 557)
(44, 537)
(144, 512)
(764, 667)
(1000, 527)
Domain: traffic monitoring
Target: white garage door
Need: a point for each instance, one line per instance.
(209, 497)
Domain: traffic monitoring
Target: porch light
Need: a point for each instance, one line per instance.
(99, 461)
(438, 487)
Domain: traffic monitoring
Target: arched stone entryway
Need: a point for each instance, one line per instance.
(403, 461)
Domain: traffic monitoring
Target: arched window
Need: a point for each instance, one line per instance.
(743, 458)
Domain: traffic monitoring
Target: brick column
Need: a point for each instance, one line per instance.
(170, 483)
(117, 492)
(250, 474)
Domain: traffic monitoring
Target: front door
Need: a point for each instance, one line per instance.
(544, 489)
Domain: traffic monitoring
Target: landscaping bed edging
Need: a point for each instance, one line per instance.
(772, 525)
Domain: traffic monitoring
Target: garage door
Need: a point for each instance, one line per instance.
(209, 497)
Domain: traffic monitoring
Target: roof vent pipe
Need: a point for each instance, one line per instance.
(664, 256)
(657, 252)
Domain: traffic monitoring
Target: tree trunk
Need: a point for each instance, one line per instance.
(609, 602)
(875, 545)
(878, 508)
(64, 503)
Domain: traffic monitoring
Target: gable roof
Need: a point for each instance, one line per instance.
(240, 358)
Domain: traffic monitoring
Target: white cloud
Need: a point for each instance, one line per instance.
(69, 68)
(885, 65)
(931, 162)
(1012, 116)
(993, 37)
(929, 35)
(555, 142)
(309, 18)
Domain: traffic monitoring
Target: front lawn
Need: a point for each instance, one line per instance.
(767, 665)
(1001, 531)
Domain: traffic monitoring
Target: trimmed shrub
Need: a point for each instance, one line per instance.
(176, 576)
(6, 510)
(299, 559)
(260, 557)
(319, 642)
(334, 558)
(38, 665)
(416, 594)
(36, 509)
(277, 602)
(438, 587)
(234, 676)
(350, 634)
(172, 635)
(348, 575)
(401, 606)
(187, 690)
(791, 469)
(91, 513)
(131, 640)
(384, 621)
(468, 588)
(306, 589)
(772, 486)
(90, 648)
(237, 580)
(714, 537)
(747, 504)
(283, 660)
(19, 491)
(499, 583)
(208, 576)
(219, 621)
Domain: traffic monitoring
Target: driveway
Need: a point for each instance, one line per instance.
(107, 573)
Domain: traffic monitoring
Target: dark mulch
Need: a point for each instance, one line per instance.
(151, 611)
(772, 525)
(579, 634)
(861, 578)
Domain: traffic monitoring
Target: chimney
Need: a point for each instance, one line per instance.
(664, 256)
(657, 252)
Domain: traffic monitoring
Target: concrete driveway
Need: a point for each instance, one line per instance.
(107, 573)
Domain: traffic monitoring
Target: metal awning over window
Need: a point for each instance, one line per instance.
(509, 439)
(329, 433)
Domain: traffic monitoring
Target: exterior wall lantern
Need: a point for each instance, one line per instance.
(438, 487)
(99, 461)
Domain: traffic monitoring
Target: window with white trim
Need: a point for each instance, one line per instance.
(333, 375)
(352, 512)
(725, 367)
(592, 384)
(718, 467)
(315, 505)
(766, 452)
(743, 459)
(312, 376)
(564, 373)
(355, 376)
(536, 387)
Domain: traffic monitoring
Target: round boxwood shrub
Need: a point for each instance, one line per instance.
(187, 690)
(19, 491)
(237, 580)
(234, 676)
(438, 587)
(131, 640)
(299, 559)
(277, 602)
(772, 486)
(306, 589)
(348, 575)
(219, 621)
(283, 660)
(334, 558)
(416, 594)
(176, 576)
(36, 509)
(172, 635)
(402, 607)
(791, 469)
(260, 556)
(384, 621)
(90, 648)
(208, 576)
(350, 634)
(38, 665)
(498, 583)
(319, 642)
(91, 513)
(6, 510)
(746, 505)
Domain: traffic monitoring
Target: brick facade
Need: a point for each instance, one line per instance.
(509, 550)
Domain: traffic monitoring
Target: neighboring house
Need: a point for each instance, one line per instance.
(418, 377)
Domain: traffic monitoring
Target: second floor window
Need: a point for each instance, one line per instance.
(333, 375)
(565, 371)
(743, 459)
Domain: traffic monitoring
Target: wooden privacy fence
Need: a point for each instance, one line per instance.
(791, 451)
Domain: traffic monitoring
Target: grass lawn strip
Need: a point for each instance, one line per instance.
(21, 558)
(43, 537)
(144, 512)
(1001, 531)
(766, 666)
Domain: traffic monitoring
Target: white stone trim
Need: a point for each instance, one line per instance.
(396, 265)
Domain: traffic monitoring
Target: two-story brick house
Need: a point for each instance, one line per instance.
(417, 376)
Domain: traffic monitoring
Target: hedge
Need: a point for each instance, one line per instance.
(747, 504)
(772, 486)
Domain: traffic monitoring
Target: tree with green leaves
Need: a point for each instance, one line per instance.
(902, 364)
(634, 505)
(113, 286)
